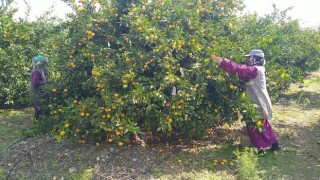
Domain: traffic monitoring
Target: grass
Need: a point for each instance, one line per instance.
(14, 126)
(85, 174)
(203, 175)
(296, 123)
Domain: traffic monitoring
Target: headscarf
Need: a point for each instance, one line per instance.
(39, 61)
(256, 58)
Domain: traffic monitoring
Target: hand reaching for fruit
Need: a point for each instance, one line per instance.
(216, 59)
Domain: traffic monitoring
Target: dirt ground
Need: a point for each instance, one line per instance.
(43, 158)
(296, 122)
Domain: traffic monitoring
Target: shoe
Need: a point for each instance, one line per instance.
(261, 151)
(272, 149)
(275, 147)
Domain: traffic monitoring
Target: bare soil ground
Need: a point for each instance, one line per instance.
(296, 122)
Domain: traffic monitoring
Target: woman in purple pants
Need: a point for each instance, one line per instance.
(255, 74)
(39, 77)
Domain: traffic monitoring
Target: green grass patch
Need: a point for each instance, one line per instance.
(84, 174)
(275, 166)
(14, 126)
(203, 175)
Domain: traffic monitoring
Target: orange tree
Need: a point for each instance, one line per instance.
(19, 42)
(13, 43)
(125, 59)
(143, 66)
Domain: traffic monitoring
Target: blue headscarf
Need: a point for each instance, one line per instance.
(39, 60)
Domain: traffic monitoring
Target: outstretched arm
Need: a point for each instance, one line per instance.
(244, 72)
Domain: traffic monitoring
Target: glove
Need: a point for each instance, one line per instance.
(216, 59)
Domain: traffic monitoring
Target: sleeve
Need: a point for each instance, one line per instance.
(36, 79)
(244, 72)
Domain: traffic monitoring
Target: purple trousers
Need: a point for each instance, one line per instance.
(262, 139)
(36, 112)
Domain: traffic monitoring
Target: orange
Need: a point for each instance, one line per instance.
(259, 124)
(221, 4)
(120, 143)
(82, 114)
(80, 9)
(62, 133)
(107, 109)
(169, 120)
(87, 114)
(66, 125)
(54, 90)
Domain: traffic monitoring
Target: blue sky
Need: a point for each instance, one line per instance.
(306, 10)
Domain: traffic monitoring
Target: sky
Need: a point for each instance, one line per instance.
(40, 6)
(307, 11)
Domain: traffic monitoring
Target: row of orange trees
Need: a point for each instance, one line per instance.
(20, 40)
(143, 66)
